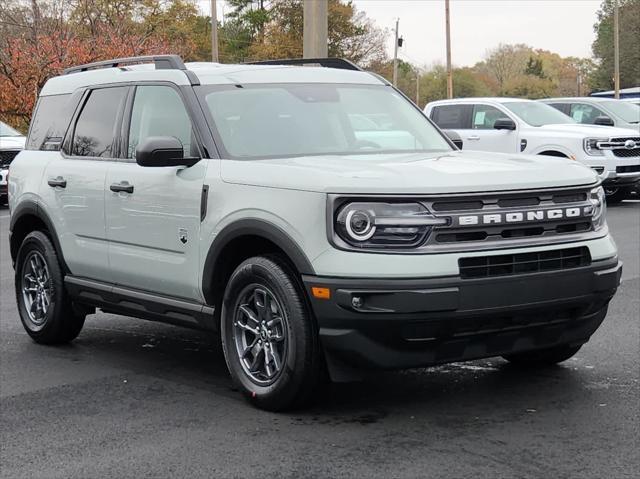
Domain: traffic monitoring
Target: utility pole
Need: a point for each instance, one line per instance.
(448, 30)
(616, 50)
(395, 56)
(214, 32)
(315, 29)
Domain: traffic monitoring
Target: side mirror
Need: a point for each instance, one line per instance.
(603, 121)
(504, 124)
(454, 137)
(161, 151)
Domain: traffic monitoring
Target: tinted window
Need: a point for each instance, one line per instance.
(485, 116)
(537, 114)
(583, 113)
(451, 116)
(95, 128)
(318, 119)
(50, 120)
(159, 111)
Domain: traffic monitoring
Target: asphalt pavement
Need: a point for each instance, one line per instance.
(131, 398)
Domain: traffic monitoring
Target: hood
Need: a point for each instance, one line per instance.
(415, 173)
(12, 142)
(591, 131)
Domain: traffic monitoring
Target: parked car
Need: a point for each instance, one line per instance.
(512, 125)
(11, 143)
(313, 216)
(599, 111)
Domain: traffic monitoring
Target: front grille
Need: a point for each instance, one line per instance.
(522, 263)
(7, 156)
(471, 220)
(621, 151)
(628, 169)
(627, 153)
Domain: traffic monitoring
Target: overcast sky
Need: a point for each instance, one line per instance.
(561, 26)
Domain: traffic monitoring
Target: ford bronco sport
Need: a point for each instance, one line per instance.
(312, 215)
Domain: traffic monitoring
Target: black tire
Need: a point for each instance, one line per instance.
(298, 353)
(61, 322)
(616, 195)
(543, 357)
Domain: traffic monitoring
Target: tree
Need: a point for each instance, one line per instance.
(629, 28)
(505, 62)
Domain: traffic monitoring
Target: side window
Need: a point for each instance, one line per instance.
(451, 116)
(94, 132)
(484, 117)
(50, 120)
(583, 113)
(563, 107)
(159, 111)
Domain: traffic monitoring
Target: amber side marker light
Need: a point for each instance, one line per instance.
(321, 293)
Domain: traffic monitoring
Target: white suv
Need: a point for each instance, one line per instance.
(11, 143)
(312, 216)
(599, 111)
(512, 125)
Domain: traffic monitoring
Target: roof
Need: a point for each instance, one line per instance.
(477, 99)
(208, 74)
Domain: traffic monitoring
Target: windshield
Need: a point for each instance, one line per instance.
(6, 130)
(624, 110)
(271, 121)
(537, 114)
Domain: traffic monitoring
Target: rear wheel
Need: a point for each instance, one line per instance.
(543, 357)
(269, 337)
(45, 309)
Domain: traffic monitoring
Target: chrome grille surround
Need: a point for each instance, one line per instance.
(624, 147)
(500, 220)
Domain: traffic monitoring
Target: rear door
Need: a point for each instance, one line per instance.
(154, 228)
(73, 188)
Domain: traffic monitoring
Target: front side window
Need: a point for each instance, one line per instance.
(586, 114)
(95, 129)
(159, 111)
(485, 116)
(537, 114)
(269, 121)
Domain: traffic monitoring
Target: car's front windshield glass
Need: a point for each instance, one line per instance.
(287, 120)
(6, 130)
(537, 114)
(624, 110)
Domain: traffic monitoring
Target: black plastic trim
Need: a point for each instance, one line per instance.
(29, 207)
(339, 63)
(251, 227)
(141, 304)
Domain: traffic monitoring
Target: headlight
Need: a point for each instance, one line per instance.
(384, 225)
(591, 146)
(598, 218)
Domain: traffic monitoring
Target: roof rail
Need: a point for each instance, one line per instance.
(163, 62)
(339, 63)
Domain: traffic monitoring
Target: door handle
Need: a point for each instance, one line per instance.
(123, 187)
(57, 182)
(473, 137)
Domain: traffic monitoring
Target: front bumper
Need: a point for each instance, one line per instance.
(403, 323)
(611, 178)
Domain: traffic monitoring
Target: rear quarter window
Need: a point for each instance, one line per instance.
(452, 116)
(50, 120)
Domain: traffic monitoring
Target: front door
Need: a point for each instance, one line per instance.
(153, 213)
(483, 136)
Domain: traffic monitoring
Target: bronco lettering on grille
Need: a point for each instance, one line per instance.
(523, 216)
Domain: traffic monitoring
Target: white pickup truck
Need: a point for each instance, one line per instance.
(512, 125)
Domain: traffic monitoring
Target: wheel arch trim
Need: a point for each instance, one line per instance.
(251, 227)
(32, 208)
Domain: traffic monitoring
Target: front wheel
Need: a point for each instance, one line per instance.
(615, 195)
(45, 309)
(543, 357)
(269, 336)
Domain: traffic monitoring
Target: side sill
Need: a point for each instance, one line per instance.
(141, 304)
